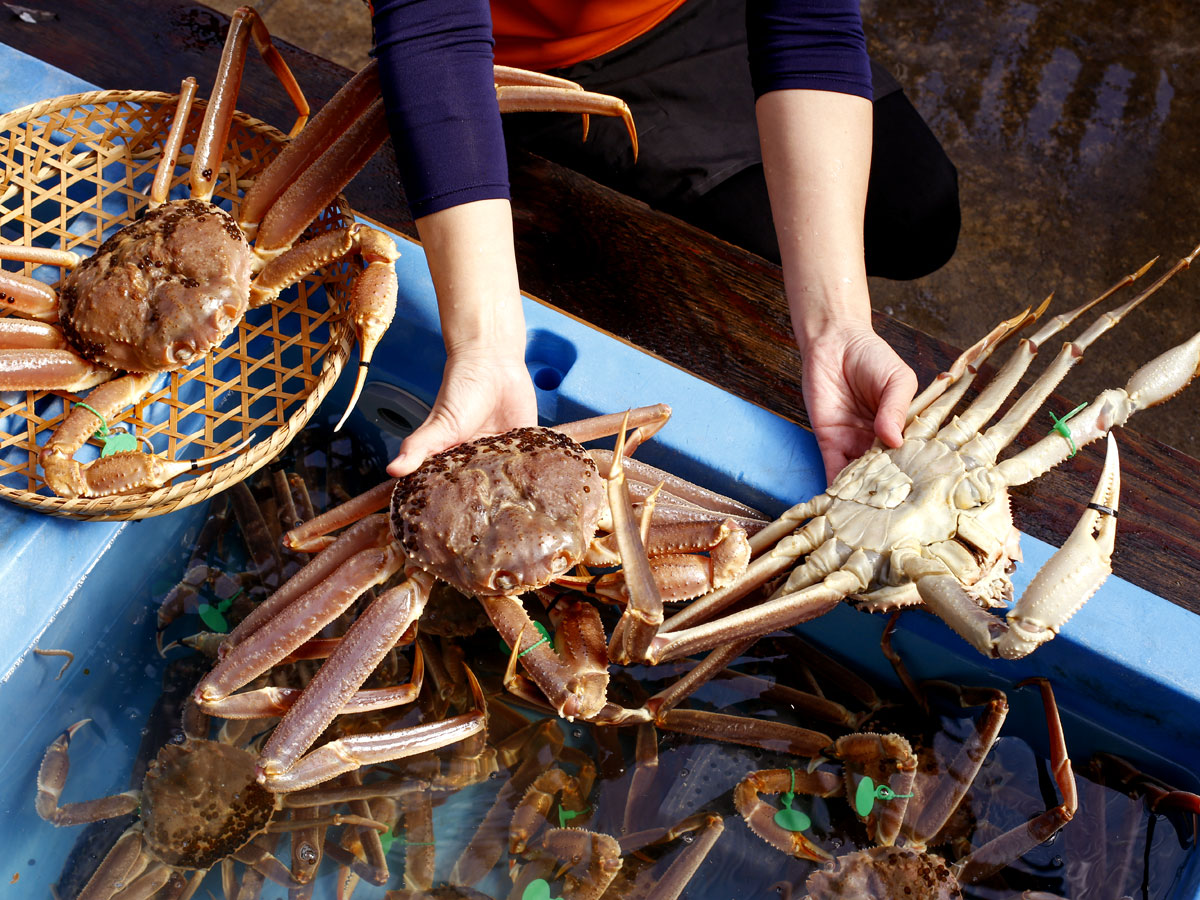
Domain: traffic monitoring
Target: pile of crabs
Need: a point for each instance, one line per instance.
(335, 696)
(445, 772)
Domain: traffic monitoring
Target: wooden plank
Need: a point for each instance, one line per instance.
(708, 307)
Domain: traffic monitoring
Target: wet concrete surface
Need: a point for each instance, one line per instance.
(1074, 129)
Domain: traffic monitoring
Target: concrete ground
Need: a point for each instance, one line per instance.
(1072, 123)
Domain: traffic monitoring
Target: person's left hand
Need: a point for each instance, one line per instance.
(856, 389)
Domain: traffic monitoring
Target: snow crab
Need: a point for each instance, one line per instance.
(162, 292)
(929, 523)
(198, 805)
(903, 810)
(495, 518)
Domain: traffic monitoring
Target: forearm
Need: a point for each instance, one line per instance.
(816, 149)
(473, 263)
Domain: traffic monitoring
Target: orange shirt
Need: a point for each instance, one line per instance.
(550, 34)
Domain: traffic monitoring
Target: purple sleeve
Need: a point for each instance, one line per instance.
(814, 44)
(435, 71)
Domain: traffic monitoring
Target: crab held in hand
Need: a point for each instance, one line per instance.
(496, 518)
(929, 523)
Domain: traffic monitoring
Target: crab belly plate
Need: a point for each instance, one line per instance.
(502, 514)
(161, 292)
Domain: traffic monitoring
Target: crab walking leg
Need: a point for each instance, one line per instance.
(760, 816)
(24, 294)
(278, 701)
(345, 108)
(52, 778)
(121, 472)
(43, 368)
(941, 798)
(969, 358)
(369, 533)
(370, 638)
(313, 534)
(295, 624)
(997, 853)
(537, 98)
(789, 522)
(685, 865)
(160, 188)
(782, 554)
(1063, 585)
(644, 479)
(644, 420)
(120, 866)
(781, 612)
(982, 408)
(214, 130)
(1157, 381)
(929, 420)
(349, 753)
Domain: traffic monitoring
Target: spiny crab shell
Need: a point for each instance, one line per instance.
(885, 872)
(502, 514)
(201, 803)
(161, 292)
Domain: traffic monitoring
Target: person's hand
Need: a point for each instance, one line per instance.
(480, 394)
(856, 389)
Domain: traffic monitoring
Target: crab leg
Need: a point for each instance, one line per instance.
(373, 298)
(161, 187)
(27, 296)
(997, 853)
(645, 421)
(349, 753)
(983, 407)
(684, 867)
(969, 358)
(52, 777)
(214, 130)
(643, 478)
(760, 816)
(122, 471)
(120, 866)
(313, 534)
(345, 108)
(1063, 585)
(46, 367)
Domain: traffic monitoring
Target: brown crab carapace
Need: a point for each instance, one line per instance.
(164, 291)
(198, 804)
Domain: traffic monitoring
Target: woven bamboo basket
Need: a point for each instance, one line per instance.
(75, 169)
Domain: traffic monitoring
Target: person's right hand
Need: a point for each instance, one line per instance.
(481, 394)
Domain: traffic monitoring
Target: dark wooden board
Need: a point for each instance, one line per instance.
(695, 301)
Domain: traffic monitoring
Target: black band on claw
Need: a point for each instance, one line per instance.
(1105, 510)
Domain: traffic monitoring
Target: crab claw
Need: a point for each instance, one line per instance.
(1072, 574)
(374, 301)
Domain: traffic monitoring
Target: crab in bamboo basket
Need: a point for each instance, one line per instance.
(903, 811)
(929, 523)
(495, 519)
(160, 294)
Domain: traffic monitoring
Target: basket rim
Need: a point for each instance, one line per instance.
(171, 497)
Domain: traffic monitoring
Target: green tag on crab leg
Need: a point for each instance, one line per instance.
(118, 442)
(867, 793)
(538, 889)
(791, 819)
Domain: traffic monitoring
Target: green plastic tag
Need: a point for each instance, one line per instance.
(791, 819)
(538, 889)
(118, 442)
(867, 793)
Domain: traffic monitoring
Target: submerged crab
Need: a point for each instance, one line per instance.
(495, 518)
(903, 810)
(164, 291)
(198, 805)
(929, 523)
